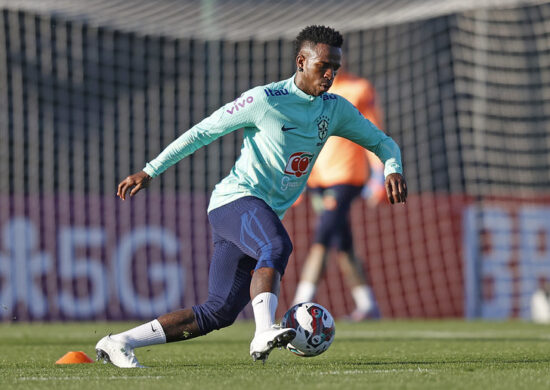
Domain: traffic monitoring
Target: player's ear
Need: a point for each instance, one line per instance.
(300, 60)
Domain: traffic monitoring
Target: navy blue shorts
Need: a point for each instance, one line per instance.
(334, 226)
(247, 235)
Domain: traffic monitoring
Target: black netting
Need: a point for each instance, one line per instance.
(465, 95)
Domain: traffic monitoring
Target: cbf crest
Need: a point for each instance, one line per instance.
(322, 127)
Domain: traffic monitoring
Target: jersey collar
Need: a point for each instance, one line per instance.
(298, 92)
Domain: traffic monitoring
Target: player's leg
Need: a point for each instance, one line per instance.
(312, 271)
(316, 259)
(363, 297)
(251, 225)
(228, 286)
(349, 264)
(119, 349)
(333, 229)
(228, 293)
(265, 289)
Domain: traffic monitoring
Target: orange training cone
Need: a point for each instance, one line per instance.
(74, 357)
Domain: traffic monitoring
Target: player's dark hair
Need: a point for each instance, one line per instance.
(317, 34)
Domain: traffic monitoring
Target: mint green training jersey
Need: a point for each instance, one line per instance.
(284, 131)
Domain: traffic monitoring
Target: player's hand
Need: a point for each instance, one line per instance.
(396, 188)
(138, 181)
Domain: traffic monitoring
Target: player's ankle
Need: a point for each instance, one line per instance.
(264, 306)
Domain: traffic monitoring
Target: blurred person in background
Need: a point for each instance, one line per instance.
(540, 304)
(343, 171)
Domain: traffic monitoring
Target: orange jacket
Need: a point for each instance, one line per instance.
(342, 161)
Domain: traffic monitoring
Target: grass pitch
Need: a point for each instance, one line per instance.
(370, 355)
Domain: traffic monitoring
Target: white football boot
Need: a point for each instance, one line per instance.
(263, 343)
(117, 353)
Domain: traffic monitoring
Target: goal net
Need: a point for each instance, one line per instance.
(466, 95)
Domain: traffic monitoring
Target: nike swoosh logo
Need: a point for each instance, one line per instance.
(260, 301)
(284, 128)
(152, 328)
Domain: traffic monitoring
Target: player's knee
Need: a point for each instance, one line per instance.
(214, 314)
(224, 319)
(278, 249)
(324, 235)
(282, 247)
(275, 254)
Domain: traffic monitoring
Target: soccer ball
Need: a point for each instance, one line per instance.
(314, 327)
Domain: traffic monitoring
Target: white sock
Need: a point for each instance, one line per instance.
(150, 333)
(264, 306)
(362, 295)
(304, 292)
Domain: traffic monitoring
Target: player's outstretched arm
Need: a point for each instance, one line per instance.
(396, 188)
(138, 181)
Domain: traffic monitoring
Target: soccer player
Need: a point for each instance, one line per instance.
(286, 124)
(337, 179)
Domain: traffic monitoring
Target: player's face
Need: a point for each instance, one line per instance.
(320, 63)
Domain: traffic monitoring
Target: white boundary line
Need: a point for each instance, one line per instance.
(429, 334)
(86, 378)
(388, 371)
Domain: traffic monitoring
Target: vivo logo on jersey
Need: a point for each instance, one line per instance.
(298, 163)
(276, 92)
(241, 104)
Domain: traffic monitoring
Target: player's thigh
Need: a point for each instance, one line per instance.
(344, 196)
(253, 227)
(333, 226)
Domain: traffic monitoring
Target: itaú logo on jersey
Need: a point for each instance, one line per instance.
(276, 92)
(298, 163)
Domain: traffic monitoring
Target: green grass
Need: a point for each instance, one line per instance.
(374, 355)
